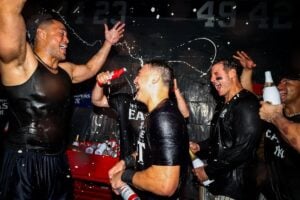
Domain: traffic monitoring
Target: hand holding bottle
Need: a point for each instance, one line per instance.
(269, 112)
(120, 187)
(198, 165)
(197, 162)
(127, 193)
(107, 77)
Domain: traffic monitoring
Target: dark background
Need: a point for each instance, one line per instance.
(182, 32)
(187, 33)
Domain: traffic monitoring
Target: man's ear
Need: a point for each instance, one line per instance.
(232, 73)
(41, 34)
(155, 78)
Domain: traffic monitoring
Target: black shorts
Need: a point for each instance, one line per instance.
(31, 175)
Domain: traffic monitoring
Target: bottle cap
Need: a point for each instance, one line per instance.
(268, 77)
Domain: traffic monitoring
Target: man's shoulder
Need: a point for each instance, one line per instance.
(121, 96)
(166, 110)
(247, 97)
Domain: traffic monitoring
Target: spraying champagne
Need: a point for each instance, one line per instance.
(114, 75)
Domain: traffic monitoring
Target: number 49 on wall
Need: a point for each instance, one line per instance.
(226, 14)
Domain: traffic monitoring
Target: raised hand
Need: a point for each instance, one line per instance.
(244, 60)
(115, 33)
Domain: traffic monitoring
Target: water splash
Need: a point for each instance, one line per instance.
(196, 39)
(90, 44)
(189, 65)
(129, 48)
(126, 45)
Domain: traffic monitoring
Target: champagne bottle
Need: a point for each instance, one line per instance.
(197, 162)
(270, 91)
(115, 74)
(128, 194)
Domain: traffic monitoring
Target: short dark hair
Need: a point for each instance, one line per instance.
(229, 63)
(166, 71)
(291, 74)
(35, 21)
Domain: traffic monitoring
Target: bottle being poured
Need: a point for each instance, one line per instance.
(114, 75)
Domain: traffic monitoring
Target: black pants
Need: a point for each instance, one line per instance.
(31, 175)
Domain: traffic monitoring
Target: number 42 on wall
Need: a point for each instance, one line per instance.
(227, 11)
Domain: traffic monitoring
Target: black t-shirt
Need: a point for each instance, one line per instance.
(131, 117)
(164, 142)
(284, 164)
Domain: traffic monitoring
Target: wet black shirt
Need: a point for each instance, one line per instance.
(164, 142)
(284, 164)
(39, 111)
(231, 149)
(130, 117)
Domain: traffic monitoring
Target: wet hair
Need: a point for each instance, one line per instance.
(167, 73)
(291, 74)
(230, 64)
(35, 21)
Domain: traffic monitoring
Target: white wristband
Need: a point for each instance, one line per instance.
(207, 182)
(197, 163)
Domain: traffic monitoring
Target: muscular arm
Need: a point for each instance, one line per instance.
(290, 131)
(161, 180)
(98, 97)
(167, 152)
(12, 32)
(16, 57)
(83, 72)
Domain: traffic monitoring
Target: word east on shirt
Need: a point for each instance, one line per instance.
(131, 114)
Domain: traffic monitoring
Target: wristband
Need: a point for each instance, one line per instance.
(129, 161)
(207, 182)
(127, 176)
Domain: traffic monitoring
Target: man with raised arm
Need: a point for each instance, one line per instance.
(38, 83)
